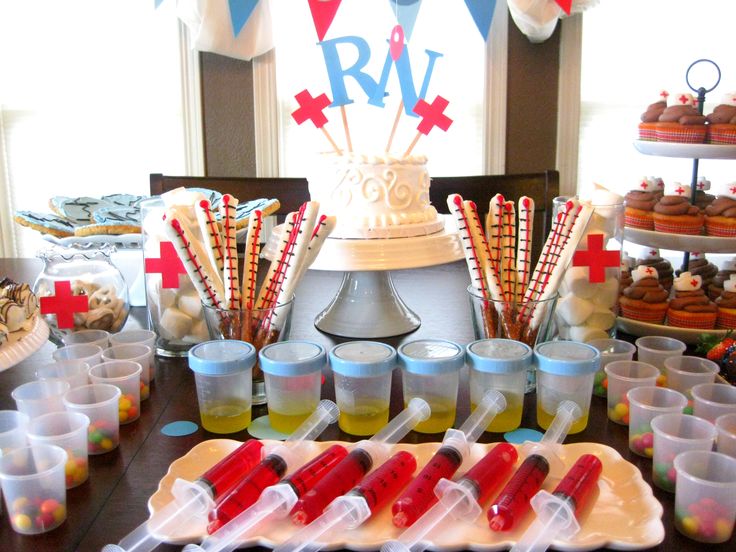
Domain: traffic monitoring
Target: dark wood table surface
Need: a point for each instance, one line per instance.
(114, 499)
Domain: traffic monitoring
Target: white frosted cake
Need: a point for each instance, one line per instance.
(376, 196)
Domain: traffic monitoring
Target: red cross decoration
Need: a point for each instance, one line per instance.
(732, 189)
(683, 99)
(693, 283)
(664, 94)
(644, 185)
(596, 259)
(649, 270)
(311, 108)
(64, 304)
(169, 265)
(680, 190)
(432, 115)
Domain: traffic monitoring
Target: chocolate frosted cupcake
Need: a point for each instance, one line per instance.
(645, 299)
(639, 205)
(690, 307)
(720, 215)
(722, 122)
(716, 286)
(649, 119)
(726, 304)
(702, 197)
(674, 214)
(650, 257)
(698, 265)
(681, 121)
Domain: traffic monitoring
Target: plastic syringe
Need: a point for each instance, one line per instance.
(352, 509)
(460, 499)
(419, 495)
(192, 499)
(359, 462)
(513, 502)
(557, 512)
(272, 468)
(274, 503)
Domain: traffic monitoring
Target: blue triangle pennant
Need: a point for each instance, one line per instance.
(240, 12)
(482, 12)
(157, 3)
(406, 14)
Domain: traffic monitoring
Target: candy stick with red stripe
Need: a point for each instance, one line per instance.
(507, 266)
(231, 279)
(524, 245)
(250, 264)
(494, 228)
(490, 269)
(272, 283)
(324, 227)
(211, 232)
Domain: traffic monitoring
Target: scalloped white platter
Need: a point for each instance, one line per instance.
(640, 329)
(624, 514)
(693, 151)
(680, 242)
(22, 344)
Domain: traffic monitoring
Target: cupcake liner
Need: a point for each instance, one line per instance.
(726, 319)
(696, 320)
(722, 134)
(720, 229)
(648, 131)
(683, 134)
(633, 313)
(633, 220)
(678, 227)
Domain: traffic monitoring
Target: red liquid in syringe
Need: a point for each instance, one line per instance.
(491, 470)
(514, 499)
(339, 481)
(224, 475)
(579, 481)
(306, 477)
(387, 480)
(419, 495)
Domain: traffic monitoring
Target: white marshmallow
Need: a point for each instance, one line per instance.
(607, 294)
(586, 333)
(191, 305)
(576, 279)
(601, 319)
(574, 310)
(175, 323)
(198, 334)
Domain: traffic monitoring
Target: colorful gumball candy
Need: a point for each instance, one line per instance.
(642, 441)
(705, 520)
(37, 515)
(101, 437)
(620, 411)
(600, 384)
(127, 409)
(76, 469)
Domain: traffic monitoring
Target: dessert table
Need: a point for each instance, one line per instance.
(114, 499)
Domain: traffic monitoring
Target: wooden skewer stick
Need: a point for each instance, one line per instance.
(250, 264)
(348, 141)
(338, 151)
(395, 126)
(230, 278)
(411, 146)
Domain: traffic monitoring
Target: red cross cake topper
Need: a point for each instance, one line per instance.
(432, 115)
(597, 259)
(169, 265)
(64, 304)
(311, 108)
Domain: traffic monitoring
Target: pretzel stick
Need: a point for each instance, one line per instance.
(210, 232)
(507, 266)
(524, 246)
(230, 278)
(271, 285)
(250, 264)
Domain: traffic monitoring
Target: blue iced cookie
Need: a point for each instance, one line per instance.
(124, 200)
(112, 220)
(46, 223)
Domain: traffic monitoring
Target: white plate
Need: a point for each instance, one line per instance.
(22, 344)
(693, 151)
(625, 514)
(680, 242)
(686, 335)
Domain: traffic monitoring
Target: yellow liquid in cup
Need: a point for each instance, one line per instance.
(508, 420)
(365, 419)
(441, 418)
(286, 423)
(544, 420)
(226, 418)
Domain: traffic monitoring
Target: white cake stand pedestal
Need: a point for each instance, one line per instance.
(367, 304)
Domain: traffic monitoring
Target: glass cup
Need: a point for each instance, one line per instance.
(99, 402)
(654, 349)
(530, 322)
(91, 337)
(74, 372)
(13, 427)
(259, 327)
(705, 500)
(293, 374)
(624, 375)
(565, 371)
(500, 364)
(223, 376)
(362, 373)
(726, 438)
(39, 397)
(673, 434)
(67, 430)
(431, 371)
(135, 352)
(126, 376)
(711, 400)
(645, 403)
(32, 480)
(683, 372)
(611, 350)
(84, 352)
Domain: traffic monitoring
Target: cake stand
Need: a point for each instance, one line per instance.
(367, 304)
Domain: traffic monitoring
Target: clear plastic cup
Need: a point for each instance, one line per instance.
(673, 434)
(136, 352)
(67, 430)
(142, 337)
(500, 364)
(126, 376)
(726, 434)
(645, 403)
(705, 500)
(431, 371)
(13, 426)
(611, 350)
(99, 402)
(624, 375)
(39, 397)
(711, 400)
(654, 349)
(565, 371)
(85, 352)
(362, 373)
(32, 480)
(74, 372)
(293, 377)
(683, 372)
(101, 338)
(223, 376)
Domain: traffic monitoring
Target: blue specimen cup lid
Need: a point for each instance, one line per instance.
(222, 356)
(499, 356)
(567, 358)
(292, 358)
(362, 358)
(431, 356)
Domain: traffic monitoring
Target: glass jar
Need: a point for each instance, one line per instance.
(79, 288)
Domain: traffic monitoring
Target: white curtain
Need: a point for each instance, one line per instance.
(7, 236)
